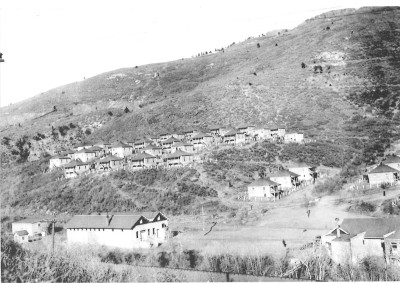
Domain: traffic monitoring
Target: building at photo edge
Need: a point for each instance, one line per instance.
(356, 238)
(143, 230)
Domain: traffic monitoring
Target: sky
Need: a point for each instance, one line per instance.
(50, 43)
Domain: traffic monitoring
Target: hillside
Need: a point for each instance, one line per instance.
(345, 96)
(359, 56)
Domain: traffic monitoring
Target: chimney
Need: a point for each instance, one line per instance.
(337, 227)
(108, 219)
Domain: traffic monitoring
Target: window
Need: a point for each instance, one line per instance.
(163, 225)
(122, 230)
(23, 238)
(39, 224)
(137, 234)
(154, 231)
(112, 230)
(148, 232)
(394, 246)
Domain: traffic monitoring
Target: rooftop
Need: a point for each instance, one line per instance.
(382, 168)
(179, 153)
(373, 227)
(283, 173)
(201, 135)
(74, 163)
(263, 182)
(119, 144)
(142, 156)
(392, 159)
(110, 158)
(104, 221)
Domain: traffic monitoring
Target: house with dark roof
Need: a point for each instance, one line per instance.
(201, 140)
(168, 143)
(234, 137)
(306, 172)
(164, 136)
(85, 155)
(392, 248)
(178, 158)
(245, 128)
(99, 151)
(259, 133)
(276, 131)
(80, 146)
(288, 180)
(179, 136)
(293, 138)
(152, 149)
(189, 133)
(28, 230)
(383, 174)
(392, 161)
(142, 161)
(141, 143)
(217, 130)
(264, 189)
(126, 231)
(70, 153)
(121, 149)
(183, 146)
(75, 168)
(58, 161)
(109, 163)
(355, 238)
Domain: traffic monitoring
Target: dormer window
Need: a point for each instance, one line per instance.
(141, 221)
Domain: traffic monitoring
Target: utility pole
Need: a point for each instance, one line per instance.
(202, 216)
(53, 221)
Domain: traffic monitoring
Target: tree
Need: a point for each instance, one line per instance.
(303, 65)
(23, 148)
(258, 45)
(126, 110)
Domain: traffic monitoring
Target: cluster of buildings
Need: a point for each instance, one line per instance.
(166, 150)
(29, 230)
(282, 182)
(356, 238)
(127, 231)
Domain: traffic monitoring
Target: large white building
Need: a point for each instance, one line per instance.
(118, 231)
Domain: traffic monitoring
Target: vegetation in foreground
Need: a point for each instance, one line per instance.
(21, 265)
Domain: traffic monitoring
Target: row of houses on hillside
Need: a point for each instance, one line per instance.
(282, 182)
(167, 150)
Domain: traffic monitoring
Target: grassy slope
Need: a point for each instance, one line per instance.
(215, 88)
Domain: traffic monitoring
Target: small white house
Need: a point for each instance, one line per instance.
(306, 172)
(121, 149)
(293, 138)
(264, 189)
(28, 230)
(143, 230)
(178, 159)
(383, 174)
(58, 161)
(393, 161)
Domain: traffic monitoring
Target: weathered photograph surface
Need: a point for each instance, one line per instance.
(199, 141)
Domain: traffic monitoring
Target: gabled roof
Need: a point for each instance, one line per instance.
(244, 126)
(67, 152)
(143, 140)
(110, 158)
(119, 144)
(30, 220)
(74, 163)
(283, 173)
(150, 146)
(382, 168)
(215, 127)
(263, 182)
(392, 159)
(141, 156)
(395, 235)
(110, 222)
(201, 135)
(60, 157)
(373, 227)
(165, 134)
(102, 143)
(189, 131)
(95, 148)
(171, 140)
(178, 153)
(301, 165)
(83, 150)
(81, 144)
(22, 233)
(232, 133)
(183, 144)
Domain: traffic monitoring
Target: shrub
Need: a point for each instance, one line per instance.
(63, 130)
(72, 126)
(110, 113)
(258, 45)
(5, 141)
(329, 186)
(88, 131)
